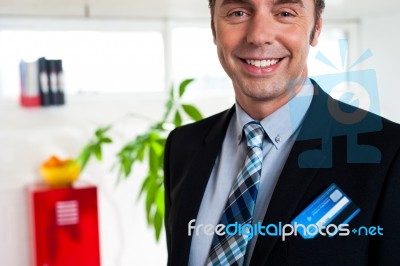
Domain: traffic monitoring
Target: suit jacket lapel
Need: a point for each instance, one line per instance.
(195, 184)
(298, 173)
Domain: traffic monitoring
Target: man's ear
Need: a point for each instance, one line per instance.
(213, 28)
(317, 32)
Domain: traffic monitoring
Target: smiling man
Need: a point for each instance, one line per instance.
(285, 155)
(262, 45)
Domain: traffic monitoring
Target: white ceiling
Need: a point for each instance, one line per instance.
(336, 9)
(356, 9)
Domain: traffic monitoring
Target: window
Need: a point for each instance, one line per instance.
(194, 55)
(328, 45)
(93, 60)
(134, 56)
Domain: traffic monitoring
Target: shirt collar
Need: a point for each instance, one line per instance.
(284, 122)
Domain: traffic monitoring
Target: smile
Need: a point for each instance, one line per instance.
(262, 63)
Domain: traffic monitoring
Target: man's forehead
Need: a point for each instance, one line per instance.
(275, 2)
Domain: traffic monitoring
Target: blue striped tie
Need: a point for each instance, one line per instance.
(230, 250)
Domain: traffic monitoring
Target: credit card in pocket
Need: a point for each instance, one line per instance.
(333, 206)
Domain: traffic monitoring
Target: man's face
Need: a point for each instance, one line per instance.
(263, 46)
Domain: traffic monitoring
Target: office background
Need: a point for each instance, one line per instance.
(120, 57)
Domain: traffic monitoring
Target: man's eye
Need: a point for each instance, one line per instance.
(286, 14)
(237, 14)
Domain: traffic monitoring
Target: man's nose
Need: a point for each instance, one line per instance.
(261, 29)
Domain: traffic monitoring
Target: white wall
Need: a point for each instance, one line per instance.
(30, 136)
(380, 34)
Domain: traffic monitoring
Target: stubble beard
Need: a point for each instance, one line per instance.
(261, 90)
(269, 91)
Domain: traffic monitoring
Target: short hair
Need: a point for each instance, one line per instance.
(319, 8)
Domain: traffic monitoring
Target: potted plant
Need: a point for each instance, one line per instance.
(147, 147)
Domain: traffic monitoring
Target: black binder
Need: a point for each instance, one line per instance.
(44, 88)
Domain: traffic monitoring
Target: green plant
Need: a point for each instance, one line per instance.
(149, 147)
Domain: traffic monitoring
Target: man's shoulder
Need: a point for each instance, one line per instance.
(388, 137)
(390, 127)
(362, 125)
(365, 119)
(344, 118)
(204, 126)
(185, 140)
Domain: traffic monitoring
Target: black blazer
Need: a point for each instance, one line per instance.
(329, 149)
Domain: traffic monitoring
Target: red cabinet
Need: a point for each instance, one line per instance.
(64, 226)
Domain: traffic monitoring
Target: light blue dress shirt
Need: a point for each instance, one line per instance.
(282, 128)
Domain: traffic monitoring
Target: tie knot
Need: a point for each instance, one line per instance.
(254, 133)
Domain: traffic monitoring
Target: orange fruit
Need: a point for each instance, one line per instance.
(59, 173)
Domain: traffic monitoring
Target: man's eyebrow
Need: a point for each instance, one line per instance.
(276, 2)
(227, 2)
(282, 2)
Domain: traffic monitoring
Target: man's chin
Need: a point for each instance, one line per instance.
(264, 91)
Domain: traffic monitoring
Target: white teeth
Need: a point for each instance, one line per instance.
(262, 63)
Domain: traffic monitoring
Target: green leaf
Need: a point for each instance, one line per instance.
(150, 198)
(153, 136)
(97, 151)
(171, 92)
(157, 147)
(105, 140)
(158, 223)
(84, 157)
(158, 126)
(183, 85)
(162, 142)
(169, 104)
(100, 132)
(168, 108)
(144, 187)
(161, 163)
(192, 111)
(177, 119)
(140, 153)
(153, 162)
(127, 165)
(160, 201)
